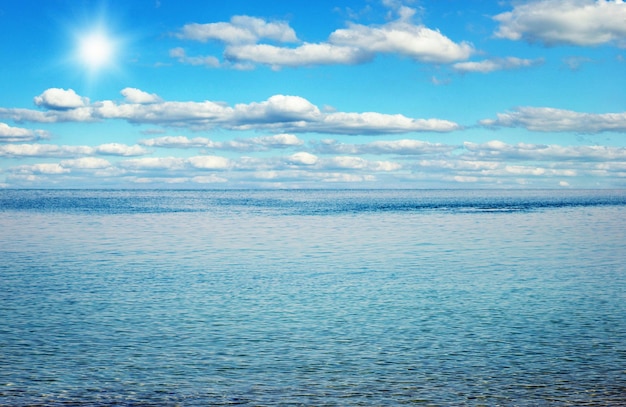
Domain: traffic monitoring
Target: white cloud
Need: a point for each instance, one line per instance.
(154, 163)
(399, 147)
(558, 120)
(304, 55)
(86, 163)
(500, 151)
(496, 64)
(278, 140)
(403, 38)
(120, 149)
(210, 162)
(377, 123)
(303, 158)
(9, 134)
(565, 22)
(43, 168)
(134, 95)
(355, 44)
(57, 98)
(251, 144)
(43, 150)
(285, 113)
(208, 179)
(240, 29)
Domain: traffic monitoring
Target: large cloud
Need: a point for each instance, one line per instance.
(400, 37)
(558, 120)
(565, 22)
(286, 113)
(57, 98)
(355, 44)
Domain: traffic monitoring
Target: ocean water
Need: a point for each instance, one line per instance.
(312, 298)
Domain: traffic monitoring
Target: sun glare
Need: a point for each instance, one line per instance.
(96, 50)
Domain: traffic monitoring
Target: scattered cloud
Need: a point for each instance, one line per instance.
(134, 95)
(60, 99)
(240, 30)
(286, 113)
(355, 44)
(565, 22)
(574, 63)
(207, 61)
(52, 150)
(547, 119)
(9, 134)
(496, 64)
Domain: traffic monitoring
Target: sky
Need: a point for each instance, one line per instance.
(313, 94)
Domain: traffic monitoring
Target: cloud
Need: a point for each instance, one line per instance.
(43, 150)
(285, 113)
(52, 150)
(57, 98)
(133, 95)
(565, 22)
(355, 44)
(209, 162)
(397, 147)
(208, 61)
(120, 149)
(496, 64)
(10, 134)
(240, 30)
(500, 151)
(403, 38)
(302, 158)
(304, 55)
(547, 119)
(263, 143)
(86, 163)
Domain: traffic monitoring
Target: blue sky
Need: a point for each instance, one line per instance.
(325, 94)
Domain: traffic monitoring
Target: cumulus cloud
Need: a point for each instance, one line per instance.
(86, 163)
(209, 162)
(302, 158)
(285, 113)
(251, 144)
(57, 98)
(500, 151)
(120, 149)
(558, 120)
(134, 95)
(355, 44)
(305, 55)
(9, 134)
(43, 150)
(240, 29)
(52, 150)
(496, 64)
(401, 37)
(565, 22)
(397, 147)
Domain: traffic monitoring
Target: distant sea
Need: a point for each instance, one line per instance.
(312, 298)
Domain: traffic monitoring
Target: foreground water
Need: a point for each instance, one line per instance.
(312, 298)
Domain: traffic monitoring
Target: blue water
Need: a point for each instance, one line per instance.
(356, 298)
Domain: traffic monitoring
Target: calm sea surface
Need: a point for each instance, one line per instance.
(372, 298)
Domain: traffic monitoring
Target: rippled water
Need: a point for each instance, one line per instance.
(312, 298)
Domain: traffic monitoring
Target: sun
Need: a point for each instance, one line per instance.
(96, 50)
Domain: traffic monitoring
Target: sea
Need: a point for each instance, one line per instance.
(312, 297)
